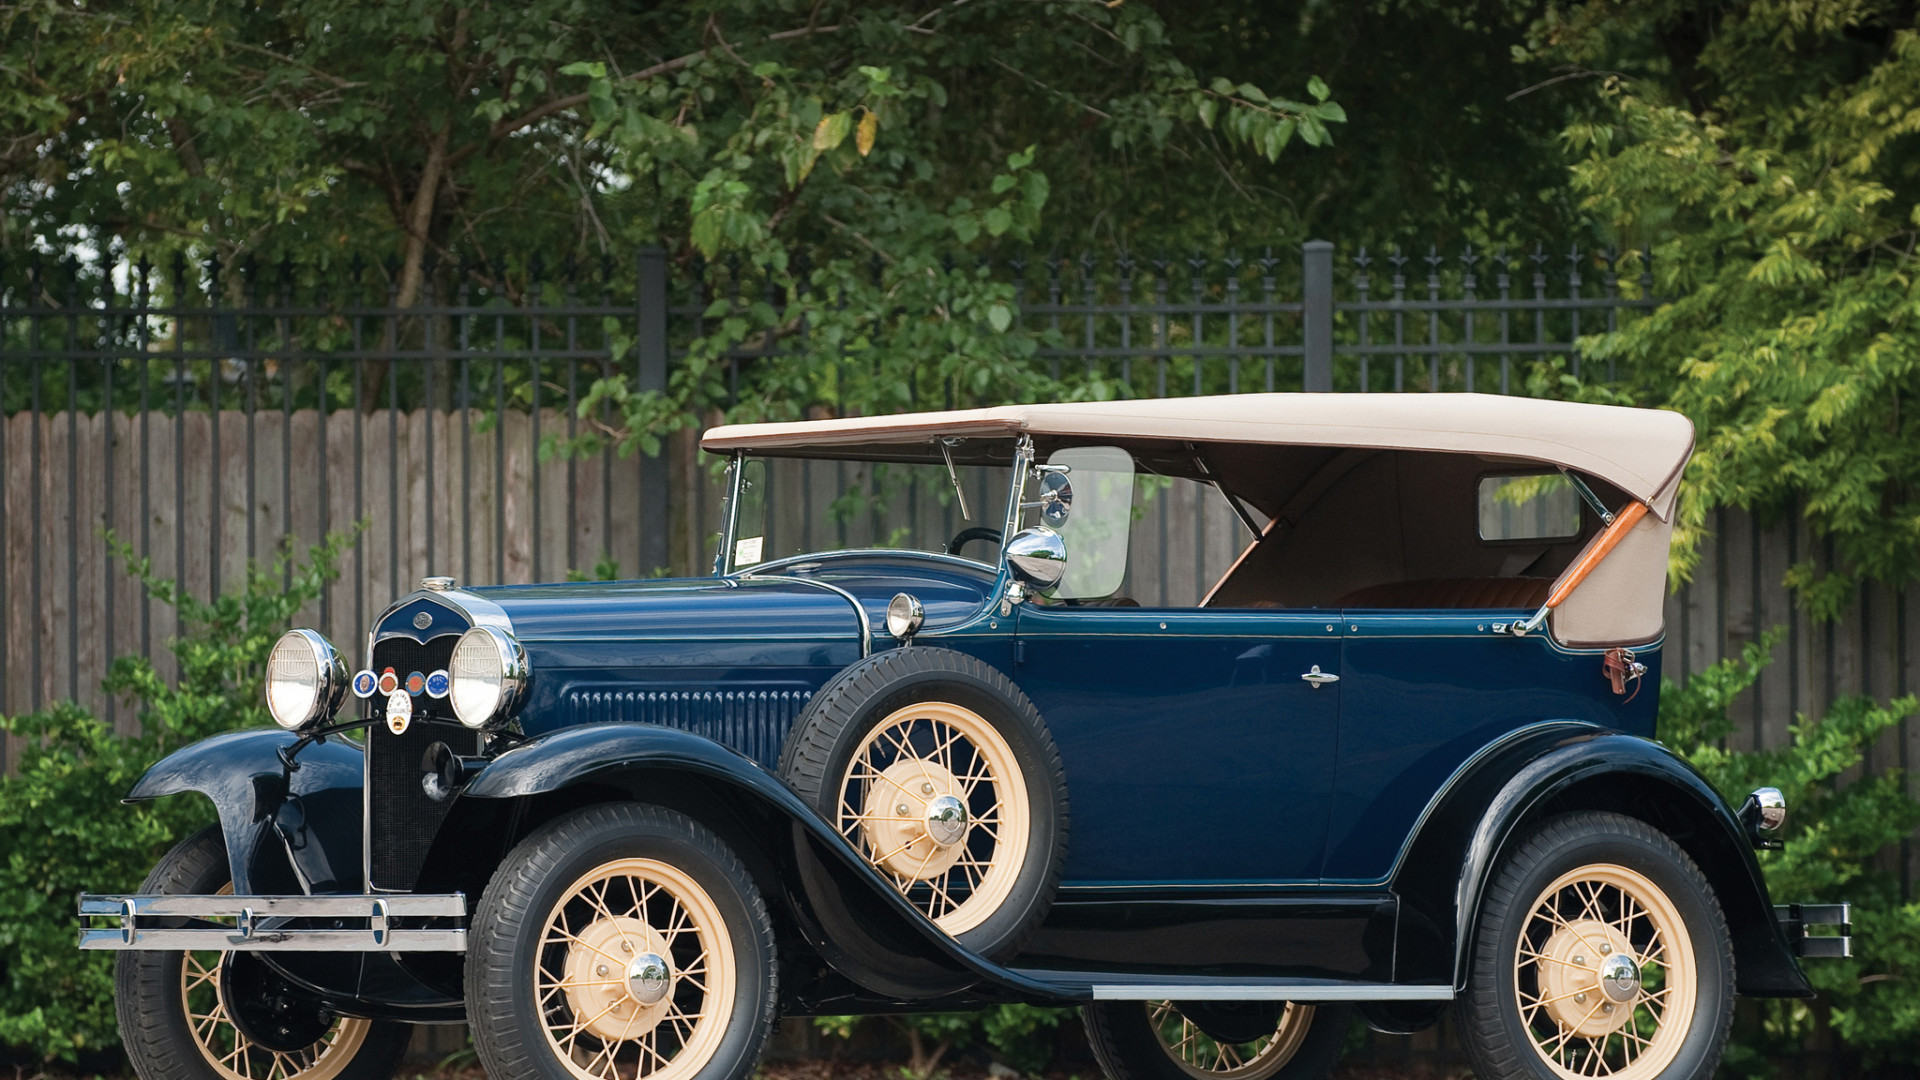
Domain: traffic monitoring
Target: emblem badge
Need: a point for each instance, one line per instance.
(422, 620)
(389, 682)
(364, 684)
(438, 684)
(399, 712)
(416, 684)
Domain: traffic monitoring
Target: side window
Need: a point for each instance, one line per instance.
(1540, 506)
(1098, 520)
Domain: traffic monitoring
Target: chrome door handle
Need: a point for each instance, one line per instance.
(1317, 678)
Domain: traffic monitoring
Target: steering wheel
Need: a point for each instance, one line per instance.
(967, 536)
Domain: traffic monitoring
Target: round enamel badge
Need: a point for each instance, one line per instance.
(416, 684)
(438, 684)
(399, 712)
(364, 684)
(389, 682)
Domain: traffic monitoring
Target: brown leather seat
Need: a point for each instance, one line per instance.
(1513, 592)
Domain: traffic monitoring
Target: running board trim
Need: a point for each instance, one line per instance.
(1268, 991)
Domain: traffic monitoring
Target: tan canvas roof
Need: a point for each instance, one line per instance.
(1640, 451)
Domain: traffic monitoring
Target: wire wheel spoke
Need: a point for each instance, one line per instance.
(1203, 1057)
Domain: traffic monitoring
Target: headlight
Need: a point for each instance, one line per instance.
(305, 679)
(489, 672)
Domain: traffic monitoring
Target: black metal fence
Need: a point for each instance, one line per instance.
(201, 413)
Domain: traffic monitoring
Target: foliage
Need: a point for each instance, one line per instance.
(62, 826)
(1763, 155)
(1838, 827)
(1018, 1035)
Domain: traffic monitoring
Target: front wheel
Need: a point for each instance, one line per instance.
(210, 1015)
(621, 942)
(1215, 1040)
(1601, 951)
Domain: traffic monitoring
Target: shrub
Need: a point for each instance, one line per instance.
(63, 829)
(1837, 828)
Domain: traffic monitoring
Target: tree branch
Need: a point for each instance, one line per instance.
(666, 67)
(336, 80)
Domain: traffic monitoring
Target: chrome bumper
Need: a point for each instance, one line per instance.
(281, 923)
(1795, 918)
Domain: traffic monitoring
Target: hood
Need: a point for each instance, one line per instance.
(699, 609)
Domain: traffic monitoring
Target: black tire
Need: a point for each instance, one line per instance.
(514, 1033)
(819, 752)
(1129, 1039)
(152, 1005)
(1589, 850)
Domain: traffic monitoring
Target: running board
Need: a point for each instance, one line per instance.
(260, 923)
(1113, 986)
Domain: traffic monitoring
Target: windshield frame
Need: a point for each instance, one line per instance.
(723, 563)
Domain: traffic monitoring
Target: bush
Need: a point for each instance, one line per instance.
(1836, 831)
(63, 829)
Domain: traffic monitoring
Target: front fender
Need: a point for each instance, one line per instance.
(314, 811)
(1564, 768)
(846, 910)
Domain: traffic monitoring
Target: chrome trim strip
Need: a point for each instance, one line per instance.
(866, 624)
(228, 906)
(1273, 991)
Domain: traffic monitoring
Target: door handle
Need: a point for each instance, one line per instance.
(1317, 678)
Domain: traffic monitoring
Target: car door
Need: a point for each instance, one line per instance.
(1194, 750)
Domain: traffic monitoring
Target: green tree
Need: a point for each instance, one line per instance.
(1763, 155)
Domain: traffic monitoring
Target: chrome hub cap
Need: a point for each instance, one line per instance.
(946, 820)
(649, 978)
(1620, 978)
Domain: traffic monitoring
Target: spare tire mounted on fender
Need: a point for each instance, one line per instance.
(940, 772)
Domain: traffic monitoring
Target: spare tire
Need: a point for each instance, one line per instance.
(941, 773)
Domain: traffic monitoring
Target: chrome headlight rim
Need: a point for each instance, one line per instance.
(330, 674)
(510, 662)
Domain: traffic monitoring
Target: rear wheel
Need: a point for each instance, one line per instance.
(1601, 952)
(621, 942)
(1215, 1040)
(209, 1015)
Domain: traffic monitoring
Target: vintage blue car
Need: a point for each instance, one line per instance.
(1400, 758)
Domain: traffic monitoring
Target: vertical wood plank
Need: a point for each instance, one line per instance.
(1774, 611)
(1737, 606)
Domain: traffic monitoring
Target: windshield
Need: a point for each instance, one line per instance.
(804, 506)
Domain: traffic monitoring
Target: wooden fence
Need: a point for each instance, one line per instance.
(442, 492)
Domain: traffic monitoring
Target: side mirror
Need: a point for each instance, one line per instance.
(1056, 498)
(1037, 557)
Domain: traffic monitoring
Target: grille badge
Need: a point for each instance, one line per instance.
(399, 711)
(422, 620)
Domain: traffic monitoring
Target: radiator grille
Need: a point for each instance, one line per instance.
(401, 820)
(754, 722)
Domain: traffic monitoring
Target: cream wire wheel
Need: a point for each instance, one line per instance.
(936, 799)
(1201, 1056)
(635, 975)
(1605, 975)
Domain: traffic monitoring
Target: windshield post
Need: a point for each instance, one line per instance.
(1017, 492)
(729, 514)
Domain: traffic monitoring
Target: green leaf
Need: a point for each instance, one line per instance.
(1003, 183)
(593, 69)
(1252, 93)
(998, 220)
(1208, 108)
(832, 130)
(1318, 88)
(1000, 316)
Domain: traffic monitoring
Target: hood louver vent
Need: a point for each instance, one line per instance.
(754, 722)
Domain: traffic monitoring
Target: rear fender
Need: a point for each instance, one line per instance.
(1565, 768)
(856, 921)
(286, 831)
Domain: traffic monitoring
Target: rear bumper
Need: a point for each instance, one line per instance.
(374, 923)
(1795, 919)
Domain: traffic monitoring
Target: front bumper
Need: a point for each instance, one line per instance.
(1796, 918)
(276, 923)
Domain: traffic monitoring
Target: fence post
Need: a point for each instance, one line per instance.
(650, 299)
(1316, 262)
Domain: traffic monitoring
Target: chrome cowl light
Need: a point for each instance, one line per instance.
(306, 679)
(489, 674)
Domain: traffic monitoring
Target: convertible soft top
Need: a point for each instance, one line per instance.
(1639, 451)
